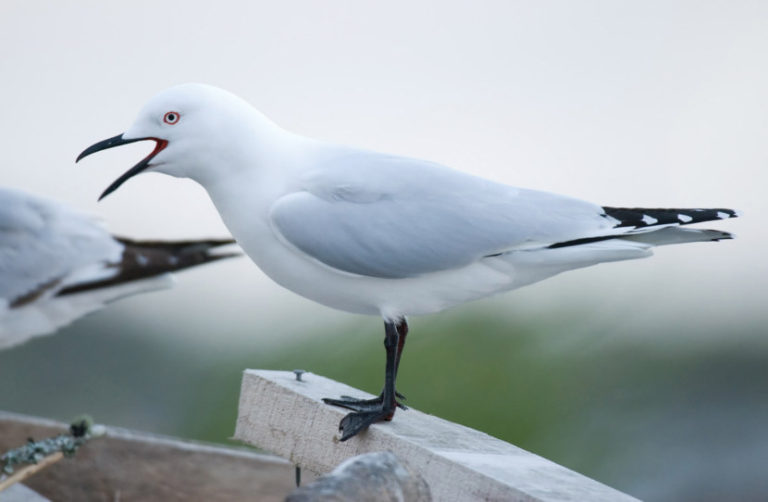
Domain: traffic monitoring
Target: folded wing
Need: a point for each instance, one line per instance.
(394, 217)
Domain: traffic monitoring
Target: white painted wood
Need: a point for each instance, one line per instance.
(287, 417)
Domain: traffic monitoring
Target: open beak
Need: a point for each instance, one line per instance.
(117, 141)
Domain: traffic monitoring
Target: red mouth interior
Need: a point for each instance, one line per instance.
(159, 145)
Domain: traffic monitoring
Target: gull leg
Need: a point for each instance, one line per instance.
(368, 411)
(402, 331)
(356, 404)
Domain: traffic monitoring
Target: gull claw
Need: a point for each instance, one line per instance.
(356, 422)
(362, 405)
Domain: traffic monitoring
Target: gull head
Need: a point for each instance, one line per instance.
(197, 129)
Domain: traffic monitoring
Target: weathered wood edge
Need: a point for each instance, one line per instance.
(134, 465)
(148, 437)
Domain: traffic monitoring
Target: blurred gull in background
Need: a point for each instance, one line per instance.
(378, 234)
(57, 264)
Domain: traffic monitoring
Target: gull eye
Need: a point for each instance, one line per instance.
(171, 117)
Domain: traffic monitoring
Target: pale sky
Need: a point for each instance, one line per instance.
(651, 103)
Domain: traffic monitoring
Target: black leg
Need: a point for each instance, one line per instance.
(368, 411)
(402, 331)
(355, 404)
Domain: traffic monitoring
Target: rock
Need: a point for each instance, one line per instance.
(372, 477)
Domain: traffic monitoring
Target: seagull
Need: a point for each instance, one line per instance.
(379, 234)
(58, 264)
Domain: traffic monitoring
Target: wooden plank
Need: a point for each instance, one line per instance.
(127, 465)
(287, 417)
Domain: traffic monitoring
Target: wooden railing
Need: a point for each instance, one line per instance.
(286, 416)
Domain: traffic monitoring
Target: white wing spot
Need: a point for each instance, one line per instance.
(142, 260)
(723, 215)
(649, 220)
(684, 218)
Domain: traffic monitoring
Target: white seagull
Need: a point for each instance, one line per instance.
(380, 234)
(58, 264)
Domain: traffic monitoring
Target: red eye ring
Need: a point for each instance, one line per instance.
(171, 117)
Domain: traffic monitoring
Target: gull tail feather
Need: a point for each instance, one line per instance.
(657, 226)
(677, 235)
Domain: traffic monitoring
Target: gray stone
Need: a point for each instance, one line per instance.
(372, 477)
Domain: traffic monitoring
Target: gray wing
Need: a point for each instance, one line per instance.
(394, 217)
(43, 243)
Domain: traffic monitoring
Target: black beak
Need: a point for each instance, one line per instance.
(117, 141)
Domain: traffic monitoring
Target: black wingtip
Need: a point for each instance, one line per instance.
(145, 259)
(188, 245)
(639, 217)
